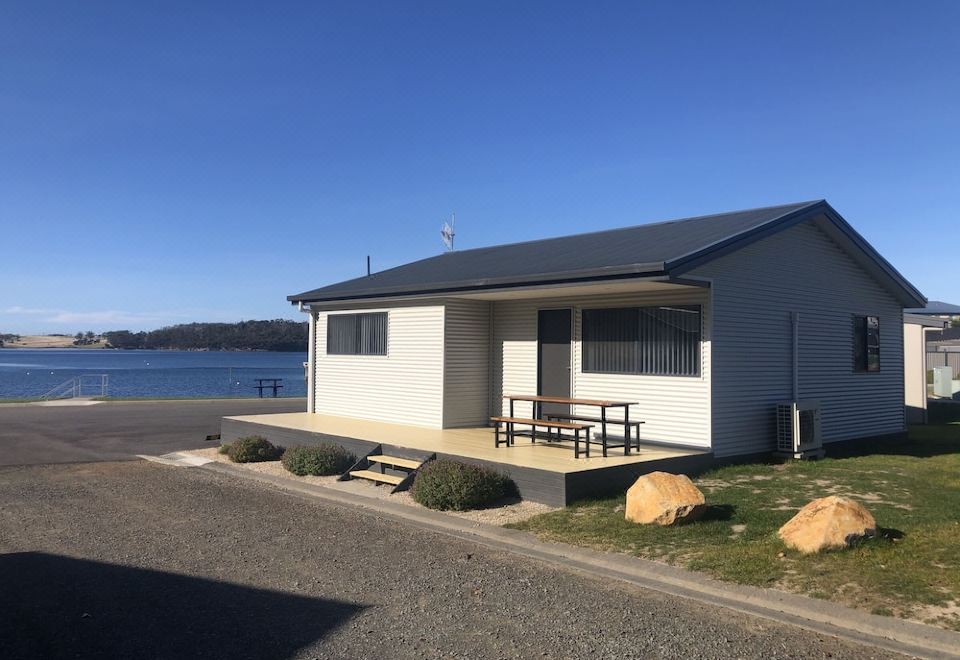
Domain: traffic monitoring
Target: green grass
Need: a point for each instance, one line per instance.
(913, 490)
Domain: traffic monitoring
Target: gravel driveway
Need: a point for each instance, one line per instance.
(32, 434)
(136, 559)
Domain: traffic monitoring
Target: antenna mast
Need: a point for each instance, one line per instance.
(447, 232)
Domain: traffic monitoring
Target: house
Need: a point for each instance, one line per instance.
(936, 345)
(937, 309)
(707, 323)
(917, 329)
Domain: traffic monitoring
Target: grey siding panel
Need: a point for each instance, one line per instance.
(466, 363)
(754, 292)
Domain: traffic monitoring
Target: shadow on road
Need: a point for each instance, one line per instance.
(57, 607)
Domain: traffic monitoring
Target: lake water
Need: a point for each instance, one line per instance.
(26, 373)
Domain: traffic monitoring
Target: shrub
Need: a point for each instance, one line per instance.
(446, 485)
(252, 449)
(320, 460)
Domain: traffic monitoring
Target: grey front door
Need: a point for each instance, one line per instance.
(553, 357)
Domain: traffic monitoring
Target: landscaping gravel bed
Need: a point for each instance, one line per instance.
(152, 561)
(508, 512)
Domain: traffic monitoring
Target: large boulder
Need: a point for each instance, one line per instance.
(665, 499)
(828, 523)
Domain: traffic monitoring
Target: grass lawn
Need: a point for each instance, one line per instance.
(911, 570)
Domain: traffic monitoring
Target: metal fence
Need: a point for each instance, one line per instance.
(944, 359)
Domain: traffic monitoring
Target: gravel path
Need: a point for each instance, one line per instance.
(142, 560)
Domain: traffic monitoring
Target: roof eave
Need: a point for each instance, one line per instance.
(926, 321)
(469, 286)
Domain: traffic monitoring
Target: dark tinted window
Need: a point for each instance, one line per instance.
(659, 341)
(357, 334)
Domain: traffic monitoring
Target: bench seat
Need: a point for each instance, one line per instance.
(603, 440)
(576, 427)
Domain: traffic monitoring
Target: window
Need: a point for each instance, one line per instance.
(866, 343)
(660, 341)
(357, 334)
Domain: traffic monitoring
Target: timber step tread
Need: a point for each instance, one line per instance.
(396, 461)
(542, 422)
(377, 476)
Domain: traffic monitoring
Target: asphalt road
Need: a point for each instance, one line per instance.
(139, 560)
(118, 430)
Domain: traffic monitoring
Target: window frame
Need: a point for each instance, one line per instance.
(866, 344)
(359, 348)
(697, 361)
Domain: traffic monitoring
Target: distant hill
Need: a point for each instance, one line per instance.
(47, 341)
(276, 335)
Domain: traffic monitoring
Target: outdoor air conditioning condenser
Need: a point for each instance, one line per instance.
(798, 429)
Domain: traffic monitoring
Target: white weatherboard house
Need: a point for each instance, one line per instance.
(706, 323)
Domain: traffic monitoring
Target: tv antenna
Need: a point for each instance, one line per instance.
(447, 233)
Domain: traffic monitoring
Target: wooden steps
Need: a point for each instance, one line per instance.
(396, 461)
(381, 468)
(377, 476)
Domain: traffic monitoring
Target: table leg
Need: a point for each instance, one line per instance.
(626, 430)
(603, 429)
(576, 443)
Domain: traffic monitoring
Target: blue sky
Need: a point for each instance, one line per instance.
(170, 162)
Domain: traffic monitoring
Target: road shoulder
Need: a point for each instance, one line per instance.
(819, 616)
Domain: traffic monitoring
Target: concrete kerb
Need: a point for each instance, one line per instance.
(819, 616)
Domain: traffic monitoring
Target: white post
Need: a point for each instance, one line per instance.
(312, 364)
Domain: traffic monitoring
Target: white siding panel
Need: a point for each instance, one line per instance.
(466, 384)
(405, 386)
(674, 409)
(754, 292)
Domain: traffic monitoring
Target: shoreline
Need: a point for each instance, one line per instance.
(146, 399)
(112, 348)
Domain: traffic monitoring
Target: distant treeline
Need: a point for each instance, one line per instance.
(276, 335)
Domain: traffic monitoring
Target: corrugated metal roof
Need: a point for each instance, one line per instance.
(639, 249)
(936, 307)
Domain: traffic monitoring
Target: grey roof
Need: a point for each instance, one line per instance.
(935, 307)
(657, 249)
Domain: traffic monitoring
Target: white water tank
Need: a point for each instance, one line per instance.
(943, 381)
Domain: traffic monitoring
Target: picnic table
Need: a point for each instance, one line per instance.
(603, 404)
(274, 384)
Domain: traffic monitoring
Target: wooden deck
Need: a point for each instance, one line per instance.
(543, 472)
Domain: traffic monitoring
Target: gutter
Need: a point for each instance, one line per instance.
(637, 271)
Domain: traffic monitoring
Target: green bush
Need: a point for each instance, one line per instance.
(320, 460)
(252, 449)
(446, 485)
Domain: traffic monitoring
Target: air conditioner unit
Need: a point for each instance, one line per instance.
(943, 381)
(798, 429)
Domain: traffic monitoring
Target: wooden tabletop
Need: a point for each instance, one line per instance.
(565, 400)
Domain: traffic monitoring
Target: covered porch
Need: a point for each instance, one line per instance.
(447, 361)
(544, 472)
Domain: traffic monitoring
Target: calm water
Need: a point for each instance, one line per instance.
(31, 373)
